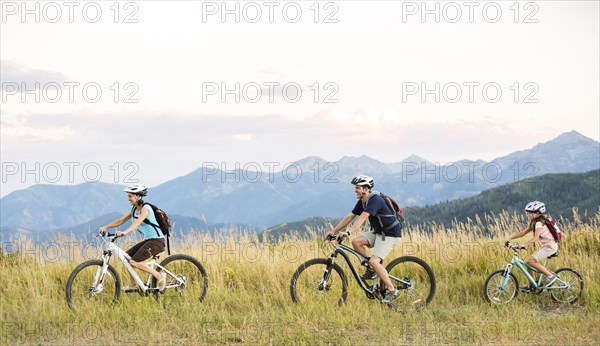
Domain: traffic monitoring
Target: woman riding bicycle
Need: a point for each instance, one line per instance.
(537, 224)
(154, 240)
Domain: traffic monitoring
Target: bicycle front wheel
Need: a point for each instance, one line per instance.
(187, 281)
(319, 282)
(414, 279)
(571, 285)
(87, 287)
(500, 289)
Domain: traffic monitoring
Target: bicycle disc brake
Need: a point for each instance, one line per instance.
(323, 286)
(181, 287)
(406, 286)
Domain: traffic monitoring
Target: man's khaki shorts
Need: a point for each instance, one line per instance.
(381, 248)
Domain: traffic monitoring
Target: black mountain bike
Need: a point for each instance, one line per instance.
(323, 280)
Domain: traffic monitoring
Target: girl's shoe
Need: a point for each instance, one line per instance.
(550, 280)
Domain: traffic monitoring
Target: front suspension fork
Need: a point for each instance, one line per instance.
(98, 284)
(506, 275)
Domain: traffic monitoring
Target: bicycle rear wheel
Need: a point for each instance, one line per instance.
(319, 282)
(190, 283)
(87, 289)
(414, 279)
(500, 290)
(572, 279)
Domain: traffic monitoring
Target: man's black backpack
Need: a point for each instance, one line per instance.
(164, 223)
(398, 214)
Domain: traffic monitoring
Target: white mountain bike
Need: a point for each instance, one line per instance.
(97, 282)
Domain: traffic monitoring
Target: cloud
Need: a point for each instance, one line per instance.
(32, 78)
(379, 133)
(383, 132)
(243, 137)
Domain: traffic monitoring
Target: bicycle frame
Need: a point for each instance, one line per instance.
(523, 266)
(112, 248)
(343, 250)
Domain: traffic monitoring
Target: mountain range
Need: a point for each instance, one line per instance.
(208, 197)
(563, 193)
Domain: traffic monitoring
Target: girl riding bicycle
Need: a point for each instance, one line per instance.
(154, 241)
(537, 224)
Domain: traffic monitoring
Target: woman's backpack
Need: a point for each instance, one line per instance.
(164, 223)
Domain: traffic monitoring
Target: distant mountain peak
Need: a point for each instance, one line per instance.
(309, 163)
(415, 159)
(362, 164)
(572, 137)
(566, 139)
(310, 160)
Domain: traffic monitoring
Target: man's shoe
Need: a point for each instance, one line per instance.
(389, 296)
(369, 275)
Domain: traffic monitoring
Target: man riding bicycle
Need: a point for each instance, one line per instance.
(382, 238)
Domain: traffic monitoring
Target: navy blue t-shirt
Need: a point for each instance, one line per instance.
(375, 205)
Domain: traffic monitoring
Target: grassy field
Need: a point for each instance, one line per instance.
(248, 300)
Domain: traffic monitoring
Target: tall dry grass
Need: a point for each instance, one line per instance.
(248, 299)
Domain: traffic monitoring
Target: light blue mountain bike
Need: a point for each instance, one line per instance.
(501, 287)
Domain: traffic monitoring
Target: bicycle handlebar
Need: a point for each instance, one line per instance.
(513, 247)
(334, 237)
(105, 234)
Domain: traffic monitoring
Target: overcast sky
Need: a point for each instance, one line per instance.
(148, 89)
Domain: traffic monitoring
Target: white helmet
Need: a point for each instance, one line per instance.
(536, 206)
(363, 180)
(137, 189)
